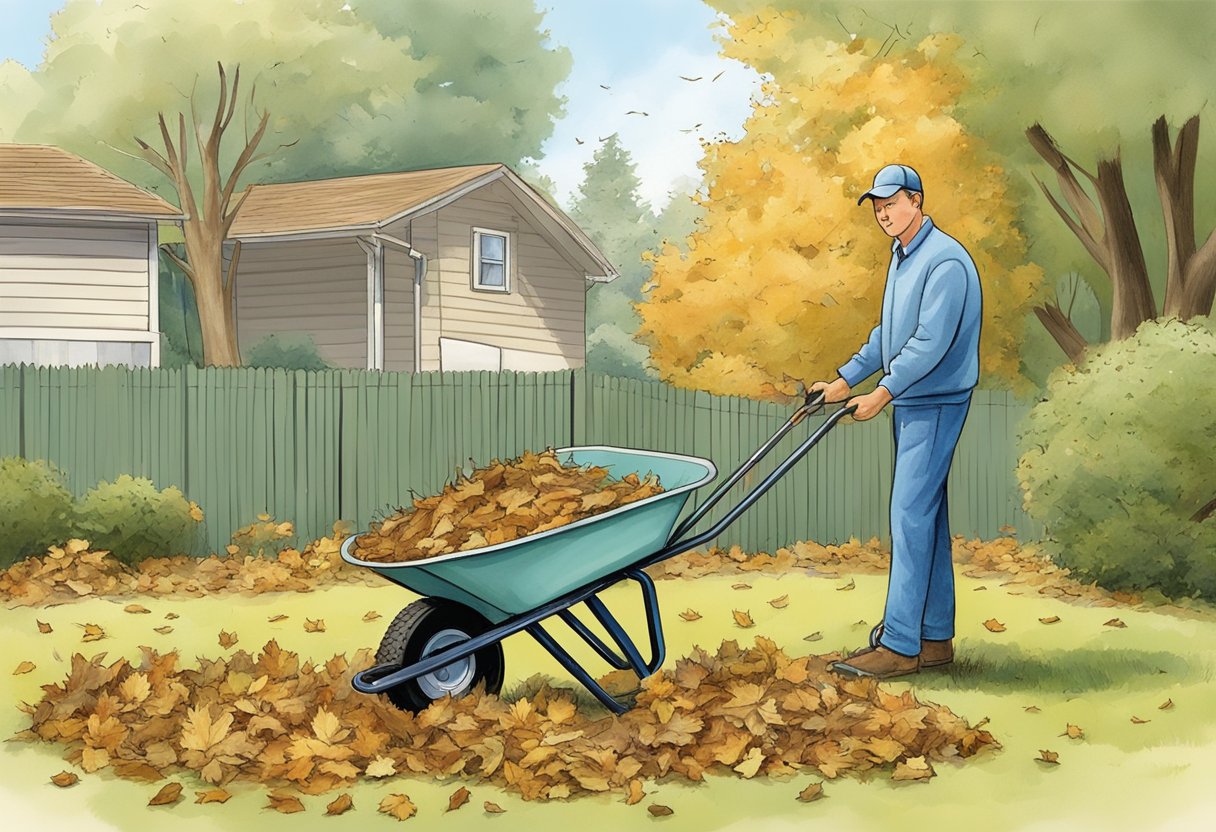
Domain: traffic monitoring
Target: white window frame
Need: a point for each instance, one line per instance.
(475, 274)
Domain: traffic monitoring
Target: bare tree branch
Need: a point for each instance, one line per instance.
(181, 264)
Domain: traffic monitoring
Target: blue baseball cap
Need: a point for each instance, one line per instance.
(891, 179)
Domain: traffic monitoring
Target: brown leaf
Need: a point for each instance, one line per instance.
(1166, 705)
(1051, 619)
(781, 602)
(43, 627)
(274, 619)
(995, 626)
(980, 589)
(1075, 732)
(64, 779)
(740, 586)
(314, 626)
(1138, 721)
(635, 792)
(743, 619)
(1046, 756)
(493, 808)
(1031, 709)
(815, 636)
(380, 767)
(169, 794)
(399, 806)
(24, 667)
(92, 632)
(169, 616)
(914, 768)
(370, 615)
(227, 639)
(136, 609)
(813, 791)
(212, 796)
(341, 803)
(1114, 622)
(288, 804)
(850, 585)
(164, 631)
(659, 810)
(458, 799)
(690, 614)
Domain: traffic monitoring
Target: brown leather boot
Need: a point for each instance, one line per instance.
(935, 653)
(880, 663)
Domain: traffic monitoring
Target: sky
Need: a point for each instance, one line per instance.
(637, 48)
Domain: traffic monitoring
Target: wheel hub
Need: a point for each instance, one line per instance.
(453, 678)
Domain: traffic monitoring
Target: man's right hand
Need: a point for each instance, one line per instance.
(833, 391)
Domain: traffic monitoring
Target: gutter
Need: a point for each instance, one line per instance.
(420, 264)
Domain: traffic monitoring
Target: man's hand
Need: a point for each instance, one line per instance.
(833, 391)
(870, 404)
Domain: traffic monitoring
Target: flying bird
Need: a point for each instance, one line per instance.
(577, 139)
(604, 138)
(690, 129)
(603, 87)
(716, 77)
(636, 112)
(686, 78)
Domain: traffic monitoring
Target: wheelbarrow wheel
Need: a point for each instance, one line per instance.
(875, 635)
(428, 626)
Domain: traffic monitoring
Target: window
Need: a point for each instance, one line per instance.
(491, 260)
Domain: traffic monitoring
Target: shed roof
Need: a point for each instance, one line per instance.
(37, 177)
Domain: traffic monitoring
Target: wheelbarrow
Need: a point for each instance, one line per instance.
(450, 640)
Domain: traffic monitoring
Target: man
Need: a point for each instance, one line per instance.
(927, 345)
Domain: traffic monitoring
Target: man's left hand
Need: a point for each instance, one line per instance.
(869, 405)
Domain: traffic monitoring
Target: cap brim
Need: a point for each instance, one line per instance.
(882, 192)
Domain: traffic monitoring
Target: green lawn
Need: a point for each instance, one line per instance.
(1119, 776)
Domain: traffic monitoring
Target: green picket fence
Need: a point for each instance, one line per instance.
(314, 447)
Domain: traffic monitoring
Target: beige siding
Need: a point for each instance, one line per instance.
(72, 275)
(543, 313)
(316, 287)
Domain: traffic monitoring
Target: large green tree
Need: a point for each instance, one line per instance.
(151, 92)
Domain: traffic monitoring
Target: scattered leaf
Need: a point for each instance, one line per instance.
(275, 619)
(43, 627)
(914, 768)
(1138, 721)
(314, 626)
(212, 796)
(850, 585)
(659, 810)
(743, 619)
(227, 639)
(341, 803)
(813, 791)
(398, 805)
(1051, 619)
(92, 632)
(1046, 756)
(136, 609)
(169, 616)
(1114, 622)
(815, 636)
(994, 626)
(493, 808)
(1166, 705)
(458, 798)
(980, 589)
(370, 615)
(164, 631)
(780, 603)
(1031, 709)
(740, 586)
(24, 667)
(288, 804)
(635, 792)
(1075, 732)
(169, 794)
(64, 779)
(690, 614)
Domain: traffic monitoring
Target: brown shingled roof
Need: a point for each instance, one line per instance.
(323, 204)
(39, 177)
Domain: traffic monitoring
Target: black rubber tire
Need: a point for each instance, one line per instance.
(876, 634)
(409, 632)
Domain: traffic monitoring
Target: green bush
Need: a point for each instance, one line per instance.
(133, 520)
(1119, 459)
(291, 351)
(35, 508)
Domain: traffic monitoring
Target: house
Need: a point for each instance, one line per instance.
(454, 268)
(78, 262)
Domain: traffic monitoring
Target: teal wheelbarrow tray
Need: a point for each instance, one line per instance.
(450, 639)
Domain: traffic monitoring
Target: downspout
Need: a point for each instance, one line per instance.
(420, 263)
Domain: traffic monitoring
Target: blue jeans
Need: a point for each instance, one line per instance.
(920, 591)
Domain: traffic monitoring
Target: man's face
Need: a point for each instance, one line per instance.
(896, 213)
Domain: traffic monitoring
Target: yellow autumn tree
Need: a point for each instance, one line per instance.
(783, 279)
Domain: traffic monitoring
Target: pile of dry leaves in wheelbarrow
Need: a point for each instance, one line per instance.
(287, 723)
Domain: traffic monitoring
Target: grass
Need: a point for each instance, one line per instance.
(1119, 776)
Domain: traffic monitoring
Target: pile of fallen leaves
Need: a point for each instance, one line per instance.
(73, 571)
(289, 723)
(501, 502)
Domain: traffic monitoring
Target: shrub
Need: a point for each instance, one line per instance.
(35, 508)
(1117, 462)
(133, 520)
(291, 351)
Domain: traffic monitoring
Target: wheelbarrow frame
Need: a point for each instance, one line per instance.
(383, 677)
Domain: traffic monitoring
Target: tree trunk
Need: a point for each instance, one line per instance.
(1062, 330)
(215, 318)
(1132, 303)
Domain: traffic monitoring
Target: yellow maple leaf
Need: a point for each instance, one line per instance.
(398, 806)
(743, 618)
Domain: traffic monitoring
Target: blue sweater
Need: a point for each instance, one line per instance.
(927, 342)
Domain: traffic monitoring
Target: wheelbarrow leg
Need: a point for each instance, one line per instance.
(576, 670)
(654, 626)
